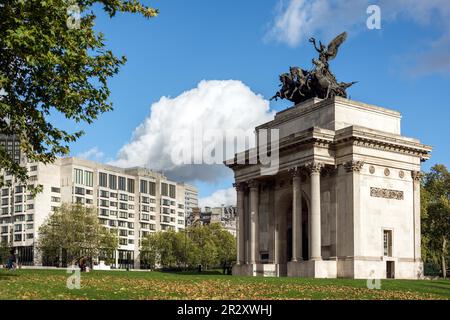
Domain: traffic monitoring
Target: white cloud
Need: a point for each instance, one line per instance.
(297, 20)
(220, 197)
(219, 105)
(94, 154)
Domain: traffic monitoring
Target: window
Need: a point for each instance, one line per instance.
(123, 215)
(29, 226)
(56, 190)
(33, 178)
(5, 192)
(19, 189)
(145, 208)
(164, 190)
(113, 213)
(130, 185)
(56, 199)
(79, 191)
(5, 201)
(79, 200)
(152, 188)
(29, 217)
(5, 210)
(29, 236)
(145, 199)
(113, 182)
(17, 227)
(103, 180)
(33, 168)
(20, 218)
(387, 243)
(30, 206)
(89, 191)
(123, 206)
(172, 192)
(123, 197)
(104, 212)
(104, 203)
(89, 201)
(131, 226)
(18, 208)
(144, 186)
(104, 194)
(18, 237)
(18, 198)
(145, 217)
(122, 184)
(88, 178)
(78, 173)
(123, 242)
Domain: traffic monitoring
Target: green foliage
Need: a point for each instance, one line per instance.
(208, 245)
(47, 68)
(4, 252)
(436, 217)
(76, 231)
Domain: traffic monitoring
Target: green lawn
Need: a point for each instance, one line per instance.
(51, 284)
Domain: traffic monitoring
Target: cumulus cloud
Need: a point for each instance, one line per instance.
(174, 122)
(94, 154)
(296, 20)
(226, 197)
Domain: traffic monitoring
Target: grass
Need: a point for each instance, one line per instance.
(51, 284)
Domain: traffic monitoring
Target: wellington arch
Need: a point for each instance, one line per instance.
(345, 201)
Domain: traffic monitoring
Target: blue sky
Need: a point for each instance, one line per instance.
(191, 41)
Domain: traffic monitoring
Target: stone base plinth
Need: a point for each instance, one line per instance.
(259, 269)
(312, 269)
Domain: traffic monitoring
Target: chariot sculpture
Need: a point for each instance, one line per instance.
(300, 85)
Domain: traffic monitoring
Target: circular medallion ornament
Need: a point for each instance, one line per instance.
(401, 174)
(387, 172)
(372, 169)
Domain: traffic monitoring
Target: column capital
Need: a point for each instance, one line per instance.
(296, 172)
(353, 166)
(314, 167)
(416, 175)
(240, 186)
(253, 184)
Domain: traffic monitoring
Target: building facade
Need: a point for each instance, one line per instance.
(344, 202)
(135, 201)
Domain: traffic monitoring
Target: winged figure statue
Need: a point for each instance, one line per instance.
(300, 85)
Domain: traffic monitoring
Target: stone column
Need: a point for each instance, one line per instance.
(296, 215)
(254, 229)
(240, 189)
(316, 246)
(416, 176)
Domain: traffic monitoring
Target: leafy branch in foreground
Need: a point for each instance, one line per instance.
(47, 68)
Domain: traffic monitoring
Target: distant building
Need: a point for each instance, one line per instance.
(136, 201)
(191, 199)
(225, 215)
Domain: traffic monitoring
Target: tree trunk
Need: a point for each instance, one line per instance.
(444, 257)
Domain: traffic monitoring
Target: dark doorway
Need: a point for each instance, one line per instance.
(289, 234)
(390, 270)
(305, 231)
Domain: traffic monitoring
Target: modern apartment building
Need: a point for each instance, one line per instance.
(136, 201)
(191, 199)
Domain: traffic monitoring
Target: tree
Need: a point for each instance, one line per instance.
(208, 245)
(5, 249)
(436, 216)
(53, 62)
(225, 244)
(74, 231)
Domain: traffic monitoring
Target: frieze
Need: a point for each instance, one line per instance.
(386, 193)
